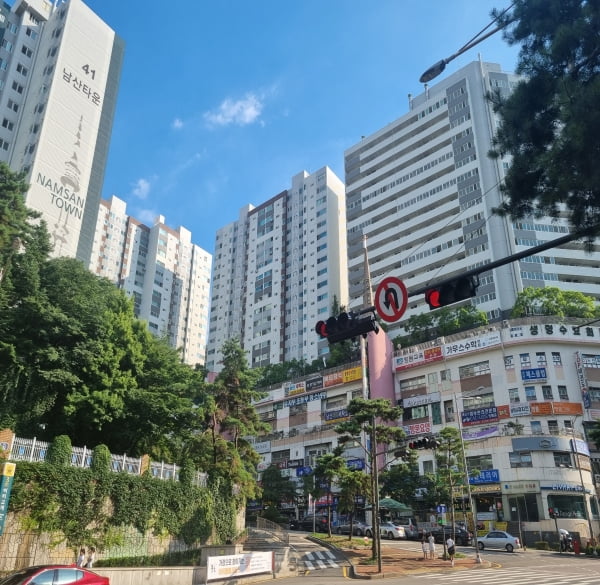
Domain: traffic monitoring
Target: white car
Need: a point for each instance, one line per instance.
(388, 530)
(498, 539)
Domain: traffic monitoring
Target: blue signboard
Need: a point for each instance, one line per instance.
(302, 471)
(534, 374)
(486, 476)
(355, 463)
(6, 481)
(479, 416)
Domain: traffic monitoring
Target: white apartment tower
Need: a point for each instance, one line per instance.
(277, 270)
(166, 274)
(59, 73)
(422, 189)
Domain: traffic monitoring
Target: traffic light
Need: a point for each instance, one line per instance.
(425, 443)
(552, 513)
(346, 326)
(459, 289)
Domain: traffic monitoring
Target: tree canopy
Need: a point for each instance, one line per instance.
(554, 301)
(550, 123)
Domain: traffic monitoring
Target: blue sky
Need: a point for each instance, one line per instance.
(222, 102)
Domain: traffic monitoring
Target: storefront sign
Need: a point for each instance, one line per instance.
(304, 398)
(473, 344)
(262, 447)
(485, 476)
(355, 464)
(418, 358)
(521, 487)
(533, 374)
(314, 383)
(479, 416)
(293, 388)
(520, 410)
(336, 415)
(582, 379)
(418, 428)
(421, 400)
(485, 489)
(478, 434)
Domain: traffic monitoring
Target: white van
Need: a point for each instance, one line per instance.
(410, 527)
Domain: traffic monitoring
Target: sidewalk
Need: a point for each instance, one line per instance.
(396, 562)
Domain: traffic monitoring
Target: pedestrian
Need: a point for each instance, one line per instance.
(451, 549)
(424, 546)
(91, 558)
(81, 558)
(431, 541)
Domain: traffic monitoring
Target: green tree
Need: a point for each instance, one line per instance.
(402, 479)
(554, 301)
(232, 418)
(375, 419)
(16, 228)
(550, 123)
(352, 483)
(326, 473)
(445, 321)
(276, 488)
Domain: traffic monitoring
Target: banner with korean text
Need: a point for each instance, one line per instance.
(227, 566)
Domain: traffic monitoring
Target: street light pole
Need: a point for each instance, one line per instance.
(469, 492)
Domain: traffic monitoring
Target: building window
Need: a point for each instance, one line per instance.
(13, 106)
(7, 45)
(509, 362)
(6, 123)
(530, 393)
(536, 427)
(522, 459)
(562, 459)
(17, 87)
(540, 357)
(553, 427)
(562, 393)
(428, 467)
(525, 360)
(513, 395)
(547, 392)
(556, 359)
(3, 144)
(22, 69)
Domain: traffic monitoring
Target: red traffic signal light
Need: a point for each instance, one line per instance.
(551, 512)
(346, 326)
(459, 289)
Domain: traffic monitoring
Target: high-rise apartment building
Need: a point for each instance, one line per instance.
(423, 189)
(166, 274)
(59, 73)
(277, 270)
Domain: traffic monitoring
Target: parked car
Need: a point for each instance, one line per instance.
(358, 528)
(387, 530)
(49, 574)
(410, 527)
(498, 539)
(320, 523)
(461, 535)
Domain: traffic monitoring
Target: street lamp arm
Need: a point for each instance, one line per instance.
(438, 67)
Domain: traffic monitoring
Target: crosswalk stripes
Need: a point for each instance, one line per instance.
(508, 577)
(320, 560)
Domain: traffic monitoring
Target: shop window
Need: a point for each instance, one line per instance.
(562, 459)
(567, 506)
(520, 459)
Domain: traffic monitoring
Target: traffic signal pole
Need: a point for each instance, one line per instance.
(503, 261)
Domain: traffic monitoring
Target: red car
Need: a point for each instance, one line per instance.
(54, 575)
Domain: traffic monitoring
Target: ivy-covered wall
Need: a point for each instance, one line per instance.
(97, 507)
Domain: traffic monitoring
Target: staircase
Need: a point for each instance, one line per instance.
(265, 535)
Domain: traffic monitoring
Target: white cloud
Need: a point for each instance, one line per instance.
(177, 124)
(239, 112)
(141, 188)
(146, 216)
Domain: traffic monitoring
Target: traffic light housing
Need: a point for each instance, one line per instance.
(346, 326)
(552, 513)
(459, 289)
(425, 443)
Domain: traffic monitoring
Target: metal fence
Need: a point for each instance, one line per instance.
(35, 450)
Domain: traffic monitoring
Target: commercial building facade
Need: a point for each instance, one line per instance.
(166, 274)
(59, 74)
(277, 270)
(422, 190)
(522, 393)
